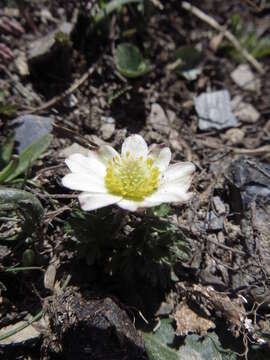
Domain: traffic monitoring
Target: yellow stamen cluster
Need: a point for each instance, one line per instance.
(131, 178)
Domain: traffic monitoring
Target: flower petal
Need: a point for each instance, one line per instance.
(178, 171)
(160, 197)
(93, 201)
(163, 158)
(105, 153)
(128, 205)
(79, 163)
(135, 146)
(84, 182)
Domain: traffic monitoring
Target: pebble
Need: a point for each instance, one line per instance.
(215, 222)
(73, 149)
(245, 112)
(30, 128)
(158, 119)
(234, 136)
(21, 64)
(215, 111)
(43, 46)
(108, 127)
(245, 78)
(219, 205)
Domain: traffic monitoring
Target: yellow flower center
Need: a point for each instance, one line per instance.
(133, 179)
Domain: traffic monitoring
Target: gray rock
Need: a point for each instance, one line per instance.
(245, 78)
(235, 136)
(107, 129)
(247, 113)
(30, 128)
(159, 120)
(219, 205)
(73, 149)
(249, 181)
(215, 111)
(43, 46)
(215, 222)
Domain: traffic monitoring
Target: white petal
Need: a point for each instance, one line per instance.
(90, 201)
(163, 160)
(179, 171)
(128, 205)
(84, 182)
(136, 146)
(160, 197)
(106, 152)
(78, 163)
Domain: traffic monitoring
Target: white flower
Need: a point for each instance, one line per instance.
(138, 178)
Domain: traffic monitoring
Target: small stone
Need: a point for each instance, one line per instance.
(175, 141)
(30, 128)
(235, 136)
(171, 116)
(219, 205)
(165, 308)
(4, 252)
(21, 64)
(215, 222)
(158, 119)
(43, 46)
(107, 131)
(107, 128)
(46, 16)
(246, 112)
(73, 149)
(245, 78)
(11, 12)
(215, 111)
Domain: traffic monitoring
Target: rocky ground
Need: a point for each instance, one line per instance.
(203, 90)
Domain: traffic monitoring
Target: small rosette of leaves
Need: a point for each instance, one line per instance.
(130, 62)
(190, 62)
(20, 214)
(258, 47)
(90, 235)
(145, 250)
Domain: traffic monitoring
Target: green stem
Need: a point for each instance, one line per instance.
(112, 6)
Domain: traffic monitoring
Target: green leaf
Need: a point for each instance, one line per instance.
(204, 348)
(162, 210)
(262, 48)
(28, 156)
(112, 6)
(158, 344)
(130, 62)
(6, 149)
(8, 170)
(235, 24)
(7, 109)
(26, 205)
(190, 59)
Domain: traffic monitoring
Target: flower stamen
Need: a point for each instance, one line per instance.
(133, 179)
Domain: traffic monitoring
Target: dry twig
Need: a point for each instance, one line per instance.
(228, 35)
(77, 83)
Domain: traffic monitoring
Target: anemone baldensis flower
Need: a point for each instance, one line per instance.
(139, 177)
